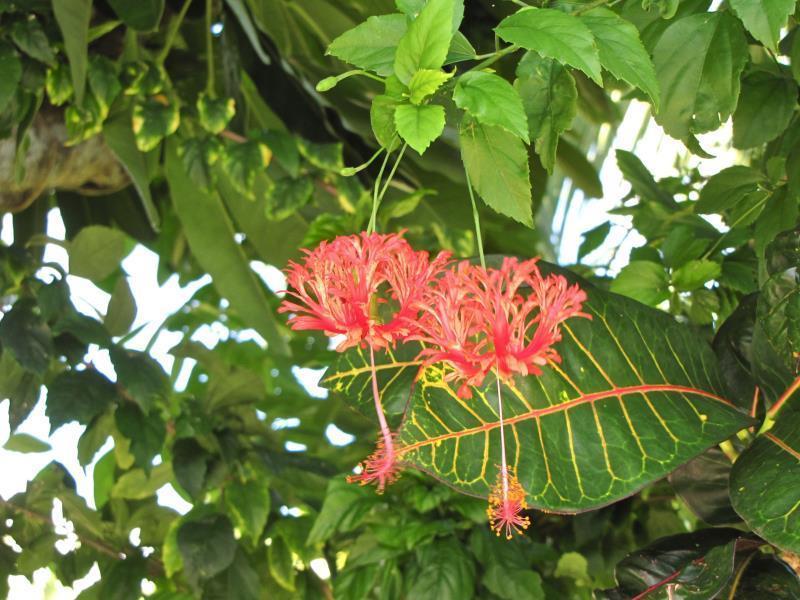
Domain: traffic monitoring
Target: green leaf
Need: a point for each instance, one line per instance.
(287, 197)
(728, 188)
(550, 98)
(553, 34)
(764, 19)
(29, 37)
(103, 478)
(644, 281)
(381, 117)
(776, 334)
(22, 442)
(123, 579)
(765, 108)
(447, 572)
(513, 584)
(215, 113)
(243, 16)
(119, 137)
(96, 252)
(104, 83)
(497, 165)
(26, 336)
(207, 546)
(78, 396)
(491, 100)
(573, 565)
(279, 558)
(698, 61)
(426, 42)
(698, 564)
(243, 162)
(593, 239)
(73, 18)
(343, 510)
(10, 74)
(372, 44)
(621, 51)
(248, 504)
(780, 209)
(694, 274)
(460, 49)
(141, 376)
(758, 494)
(137, 485)
(146, 433)
(636, 395)
(142, 15)
(121, 309)
(20, 386)
(419, 125)
(152, 121)
(190, 465)
(209, 232)
(424, 83)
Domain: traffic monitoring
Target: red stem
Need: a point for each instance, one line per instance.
(385, 431)
(657, 585)
(784, 397)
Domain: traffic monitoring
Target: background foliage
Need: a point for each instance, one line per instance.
(199, 130)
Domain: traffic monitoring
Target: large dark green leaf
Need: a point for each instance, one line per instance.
(765, 108)
(702, 483)
(446, 573)
(764, 488)
(210, 234)
(207, 546)
(78, 396)
(26, 336)
(635, 396)
(692, 566)
(765, 577)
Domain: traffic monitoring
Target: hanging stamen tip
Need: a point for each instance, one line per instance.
(506, 503)
(380, 468)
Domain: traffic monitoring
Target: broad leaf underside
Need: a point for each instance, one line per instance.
(635, 396)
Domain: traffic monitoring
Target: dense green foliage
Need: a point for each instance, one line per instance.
(243, 136)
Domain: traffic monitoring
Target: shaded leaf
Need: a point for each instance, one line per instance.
(142, 15)
(248, 504)
(207, 546)
(702, 484)
(550, 98)
(765, 108)
(73, 18)
(78, 396)
(96, 252)
(26, 336)
(10, 74)
(121, 308)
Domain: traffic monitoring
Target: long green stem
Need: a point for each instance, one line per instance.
(477, 219)
(379, 192)
(209, 50)
(174, 26)
(495, 56)
(376, 189)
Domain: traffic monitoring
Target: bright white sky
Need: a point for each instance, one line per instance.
(154, 303)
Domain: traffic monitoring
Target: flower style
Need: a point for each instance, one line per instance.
(506, 503)
(367, 288)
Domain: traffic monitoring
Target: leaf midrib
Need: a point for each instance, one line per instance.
(616, 392)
